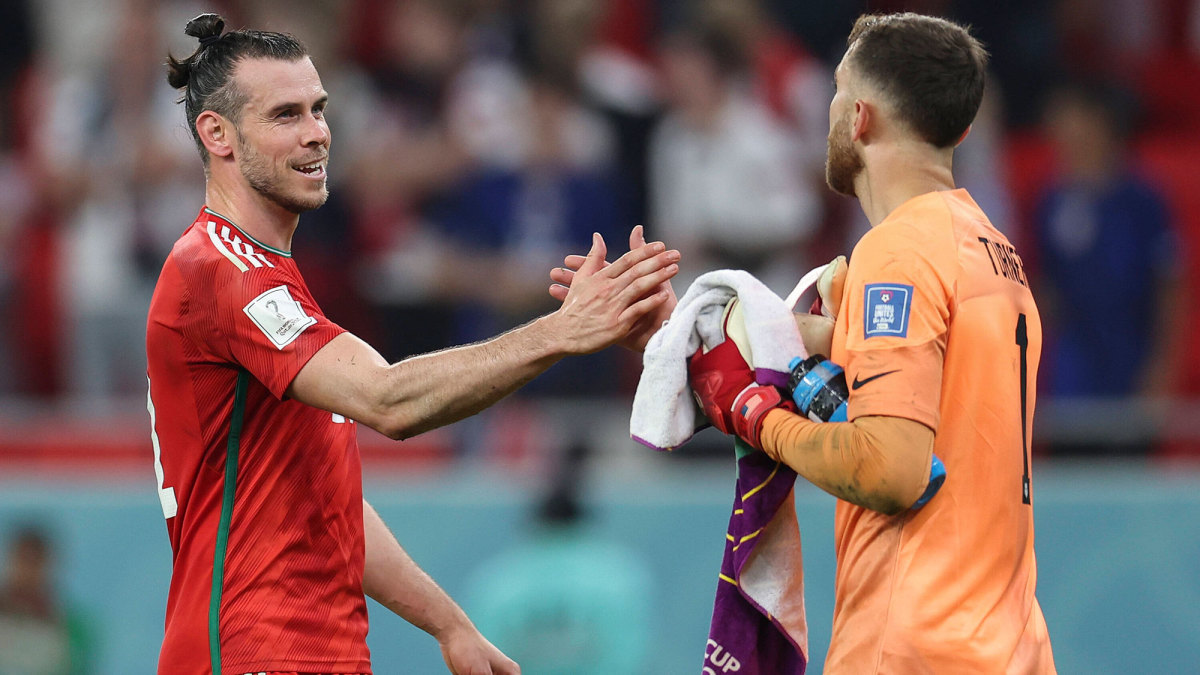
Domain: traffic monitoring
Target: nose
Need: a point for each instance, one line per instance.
(316, 131)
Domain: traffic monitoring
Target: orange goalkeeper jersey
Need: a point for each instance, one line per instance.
(937, 325)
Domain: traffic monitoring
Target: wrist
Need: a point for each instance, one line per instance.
(453, 628)
(768, 435)
(546, 337)
(750, 410)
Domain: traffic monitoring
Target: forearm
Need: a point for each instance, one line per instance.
(605, 302)
(394, 580)
(431, 390)
(879, 463)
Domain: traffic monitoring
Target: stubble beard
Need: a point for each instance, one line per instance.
(257, 171)
(842, 161)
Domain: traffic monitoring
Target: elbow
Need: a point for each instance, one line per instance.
(391, 421)
(887, 504)
(901, 497)
(890, 506)
(396, 433)
(385, 411)
(892, 464)
(393, 427)
(890, 493)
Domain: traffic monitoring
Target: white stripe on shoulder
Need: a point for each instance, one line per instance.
(220, 245)
(242, 248)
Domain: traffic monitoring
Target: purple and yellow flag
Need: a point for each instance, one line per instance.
(758, 624)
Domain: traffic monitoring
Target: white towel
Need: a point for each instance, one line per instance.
(664, 412)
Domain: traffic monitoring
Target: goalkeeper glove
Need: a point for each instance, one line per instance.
(724, 387)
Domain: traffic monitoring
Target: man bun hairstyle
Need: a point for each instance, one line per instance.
(931, 71)
(206, 77)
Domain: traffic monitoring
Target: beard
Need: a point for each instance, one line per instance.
(262, 177)
(842, 161)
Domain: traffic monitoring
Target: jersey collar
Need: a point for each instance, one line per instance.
(272, 249)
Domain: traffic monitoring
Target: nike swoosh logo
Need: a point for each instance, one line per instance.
(858, 383)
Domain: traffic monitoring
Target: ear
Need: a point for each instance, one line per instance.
(862, 120)
(216, 133)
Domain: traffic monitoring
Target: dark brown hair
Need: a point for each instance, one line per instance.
(930, 69)
(206, 77)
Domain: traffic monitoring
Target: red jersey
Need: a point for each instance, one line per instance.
(262, 494)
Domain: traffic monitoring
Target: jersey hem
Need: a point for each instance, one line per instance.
(301, 364)
(348, 667)
(929, 418)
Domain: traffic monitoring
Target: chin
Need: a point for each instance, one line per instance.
(306, 200)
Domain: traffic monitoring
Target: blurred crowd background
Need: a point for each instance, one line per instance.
(477, 142)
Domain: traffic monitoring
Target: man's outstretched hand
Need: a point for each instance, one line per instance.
(654, 305)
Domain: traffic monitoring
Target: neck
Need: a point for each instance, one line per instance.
(895, 173)
(255, 214)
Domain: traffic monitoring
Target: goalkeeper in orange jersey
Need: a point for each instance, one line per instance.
(940, 339)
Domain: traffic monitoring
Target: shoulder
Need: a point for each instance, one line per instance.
(916, 245)
(922, 226)
(218, 260)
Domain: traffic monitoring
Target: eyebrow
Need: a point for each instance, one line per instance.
(293, 104)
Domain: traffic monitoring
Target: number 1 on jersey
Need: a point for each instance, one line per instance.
(1023, 343)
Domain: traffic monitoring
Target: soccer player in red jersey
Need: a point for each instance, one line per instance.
(254, 394)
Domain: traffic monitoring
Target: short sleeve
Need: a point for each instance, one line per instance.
(897, 311)
(270, 325)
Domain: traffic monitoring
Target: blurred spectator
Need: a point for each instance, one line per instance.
(427, 111)
(1107, 255)
(16, 203)
(1109, 39)
(36, 635)
(617, 79)
(793, 84)
(17, 187)
(1025, 48)
(510, 225)
(124, 176)
(565, 601)
(978, 162)
(513, 216)
(725, 185)
(1193, 28)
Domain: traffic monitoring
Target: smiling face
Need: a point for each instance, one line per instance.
(283, 139)
(843, 162)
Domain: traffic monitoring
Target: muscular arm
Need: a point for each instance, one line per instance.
(876, 462)
(403, 399)
(394, 580)
(400, 400)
